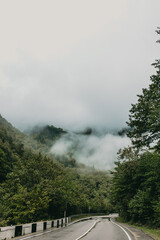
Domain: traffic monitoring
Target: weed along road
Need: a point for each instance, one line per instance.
(96, 228)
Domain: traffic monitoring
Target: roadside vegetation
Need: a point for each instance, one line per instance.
(153, 232)
(136, 178)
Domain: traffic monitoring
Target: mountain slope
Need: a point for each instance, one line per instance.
(34, 186)
(46, 135)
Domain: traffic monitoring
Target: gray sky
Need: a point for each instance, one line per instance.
(75, 63)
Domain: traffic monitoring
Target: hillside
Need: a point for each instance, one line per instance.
(34, 186)
(7, 129)
(46, 135)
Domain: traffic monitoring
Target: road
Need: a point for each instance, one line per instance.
(71, 232)
(107, 230)
(100, 229)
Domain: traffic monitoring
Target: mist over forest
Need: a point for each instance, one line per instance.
(90, 146)
(96, 150)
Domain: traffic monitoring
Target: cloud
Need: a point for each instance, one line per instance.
(75, 64)
(99, 151)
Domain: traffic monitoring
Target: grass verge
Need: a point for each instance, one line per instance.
(153, 232)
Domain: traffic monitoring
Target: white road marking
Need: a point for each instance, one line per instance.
(122, 229)
(87, 231)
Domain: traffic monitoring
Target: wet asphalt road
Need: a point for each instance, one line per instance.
(104, 230)
(71, 232)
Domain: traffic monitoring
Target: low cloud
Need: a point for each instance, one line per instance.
(99, 151)
(72, 71)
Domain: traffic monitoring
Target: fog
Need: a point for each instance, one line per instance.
(99, 151)
(75, 64)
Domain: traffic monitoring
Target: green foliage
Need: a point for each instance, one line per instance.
(4, 166)
(136, 181)
(36, 187)
(136, 189)
(96, 185)
(47, 134)
(124, 186)
(140, 207)
(144, 118)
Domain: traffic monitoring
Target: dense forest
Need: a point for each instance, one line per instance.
(136, 178)
(36, 186)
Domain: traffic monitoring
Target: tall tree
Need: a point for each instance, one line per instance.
(144, 118)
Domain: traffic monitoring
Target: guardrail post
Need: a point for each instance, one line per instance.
(52, 224)
(61, 222)
(34, 227)
(44, 226)
(18, 231)
(57, 223)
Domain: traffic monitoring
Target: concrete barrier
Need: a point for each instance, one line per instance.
(28, 228)
(49, 224)
(7, 232)
(39, 226)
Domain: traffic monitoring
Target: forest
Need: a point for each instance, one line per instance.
(36, 186)
(136, 178)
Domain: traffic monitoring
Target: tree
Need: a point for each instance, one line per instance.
(144, 118)
(136, 179)
(4, 166)
(124, 186)
(136, 188)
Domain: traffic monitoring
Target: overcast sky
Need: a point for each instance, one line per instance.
(75, 63)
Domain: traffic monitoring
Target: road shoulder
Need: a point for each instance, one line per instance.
(138, 234)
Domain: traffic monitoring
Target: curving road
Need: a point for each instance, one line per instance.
(71, 232)
(105, 229)
(100, 229)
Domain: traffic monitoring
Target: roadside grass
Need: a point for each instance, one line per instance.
(152, 232)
